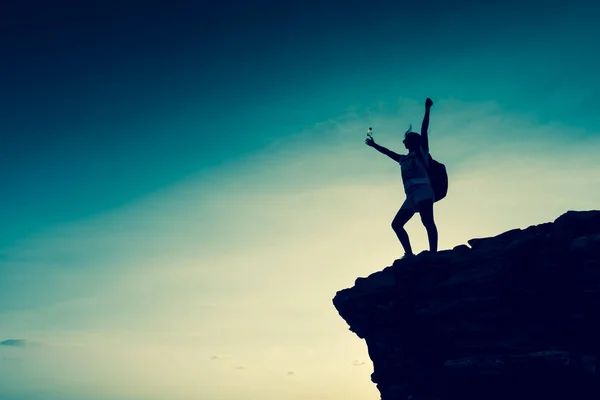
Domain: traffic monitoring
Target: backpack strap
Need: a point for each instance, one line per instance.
(420, 157)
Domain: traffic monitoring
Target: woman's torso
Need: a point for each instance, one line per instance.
(412, 169)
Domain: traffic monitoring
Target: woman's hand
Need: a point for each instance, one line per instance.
(428, 103)
(369, 141)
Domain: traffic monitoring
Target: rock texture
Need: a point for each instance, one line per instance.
(516, 316)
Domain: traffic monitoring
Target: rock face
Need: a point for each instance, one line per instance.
(516, 316)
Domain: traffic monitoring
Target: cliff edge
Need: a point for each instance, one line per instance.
(515, 316)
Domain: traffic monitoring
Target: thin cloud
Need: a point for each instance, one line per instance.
(220, 357)
(13, 343)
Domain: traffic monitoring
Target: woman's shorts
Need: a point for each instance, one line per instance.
(415, 195)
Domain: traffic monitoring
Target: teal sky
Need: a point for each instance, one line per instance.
(186, 186)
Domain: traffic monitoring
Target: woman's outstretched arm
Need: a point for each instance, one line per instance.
(425, 125)
(394, 156)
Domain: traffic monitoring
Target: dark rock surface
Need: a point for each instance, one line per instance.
(516, 316)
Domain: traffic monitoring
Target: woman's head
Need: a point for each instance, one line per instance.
(412, 140)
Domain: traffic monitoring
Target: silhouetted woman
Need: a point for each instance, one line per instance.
(419, 193)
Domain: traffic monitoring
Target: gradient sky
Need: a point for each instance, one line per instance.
(185, 187)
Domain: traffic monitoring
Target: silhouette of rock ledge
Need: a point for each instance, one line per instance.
(516, 316)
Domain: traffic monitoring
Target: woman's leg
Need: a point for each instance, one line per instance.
(426, 211)
(402, 217)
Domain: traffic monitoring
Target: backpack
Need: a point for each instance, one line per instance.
(438, 177)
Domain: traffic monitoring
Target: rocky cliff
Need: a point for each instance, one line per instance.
(516, 316)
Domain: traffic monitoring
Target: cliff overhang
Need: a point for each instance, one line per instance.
(512, 316)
